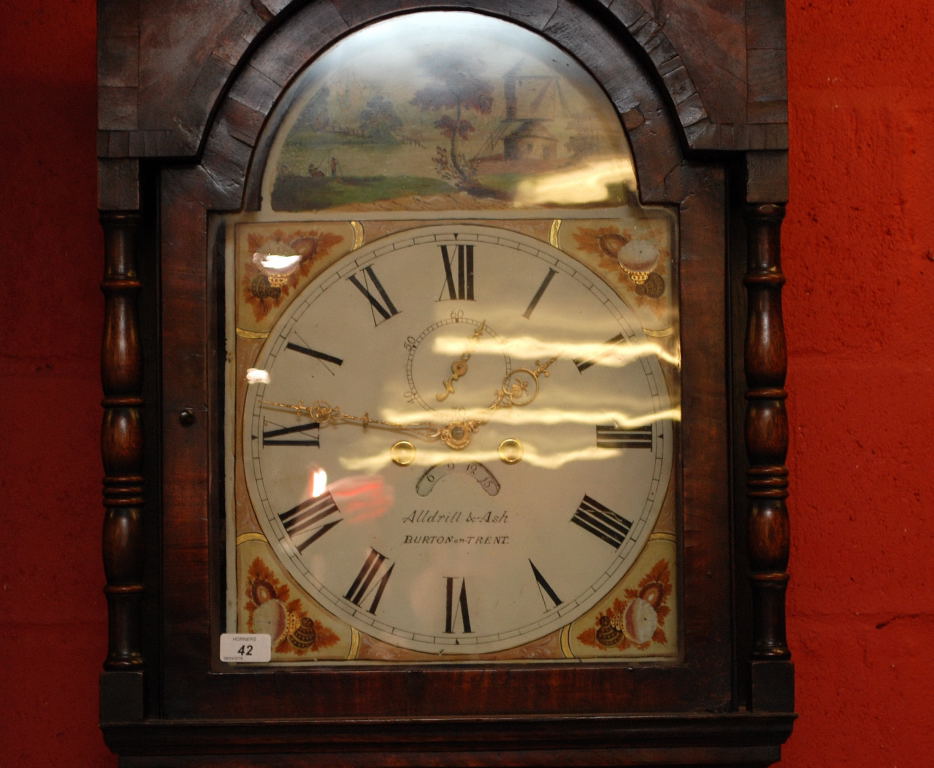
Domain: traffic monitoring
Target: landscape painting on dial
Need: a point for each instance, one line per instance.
(431, 112)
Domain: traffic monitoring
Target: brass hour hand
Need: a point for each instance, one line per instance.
(455, 435)
(324, 413)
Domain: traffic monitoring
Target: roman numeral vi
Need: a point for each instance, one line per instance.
(455, 605)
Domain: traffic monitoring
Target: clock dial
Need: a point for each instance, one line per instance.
(461, 441)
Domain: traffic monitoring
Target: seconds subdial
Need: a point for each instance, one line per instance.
(454, 364)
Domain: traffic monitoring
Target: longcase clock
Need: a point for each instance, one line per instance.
(443, 376)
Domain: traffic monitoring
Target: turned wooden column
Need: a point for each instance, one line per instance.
(766, 431)
(122, 441)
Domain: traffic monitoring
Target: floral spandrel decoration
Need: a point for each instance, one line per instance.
(270, 611)
(639, 620)
(633, 258)
(265, 288)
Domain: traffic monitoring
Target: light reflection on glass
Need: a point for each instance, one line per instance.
(528, 347)
(520, 415)
(319, 482)
(363, 497)
(277, 266)
(428, 458)
(276, 261)
(577, 186)
(257, 376)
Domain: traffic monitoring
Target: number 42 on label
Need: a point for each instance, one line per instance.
(239, 648)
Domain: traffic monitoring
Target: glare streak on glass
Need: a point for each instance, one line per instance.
(319, 482)
(580, 185)
(427, 458)
(537, 415)
(528, 347)
(278, 261)
(257, 376)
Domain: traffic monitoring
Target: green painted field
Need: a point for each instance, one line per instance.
(309, 193)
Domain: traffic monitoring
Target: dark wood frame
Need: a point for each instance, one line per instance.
(166, 701)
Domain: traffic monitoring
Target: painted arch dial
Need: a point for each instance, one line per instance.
(461, 440)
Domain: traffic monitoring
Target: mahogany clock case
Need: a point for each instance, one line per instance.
(182, 146)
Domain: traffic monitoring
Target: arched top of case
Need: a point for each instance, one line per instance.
(679, 73)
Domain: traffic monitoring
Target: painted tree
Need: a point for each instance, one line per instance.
(379, 120)
(458, 90)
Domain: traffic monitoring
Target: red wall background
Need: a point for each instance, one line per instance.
(859, 256)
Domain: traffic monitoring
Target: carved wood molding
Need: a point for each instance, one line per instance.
(766, 431)
(134, 123)
(122, 441)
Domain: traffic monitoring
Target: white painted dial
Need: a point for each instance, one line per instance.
(472, 549)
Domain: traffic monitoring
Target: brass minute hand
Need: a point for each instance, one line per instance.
(455, 435)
